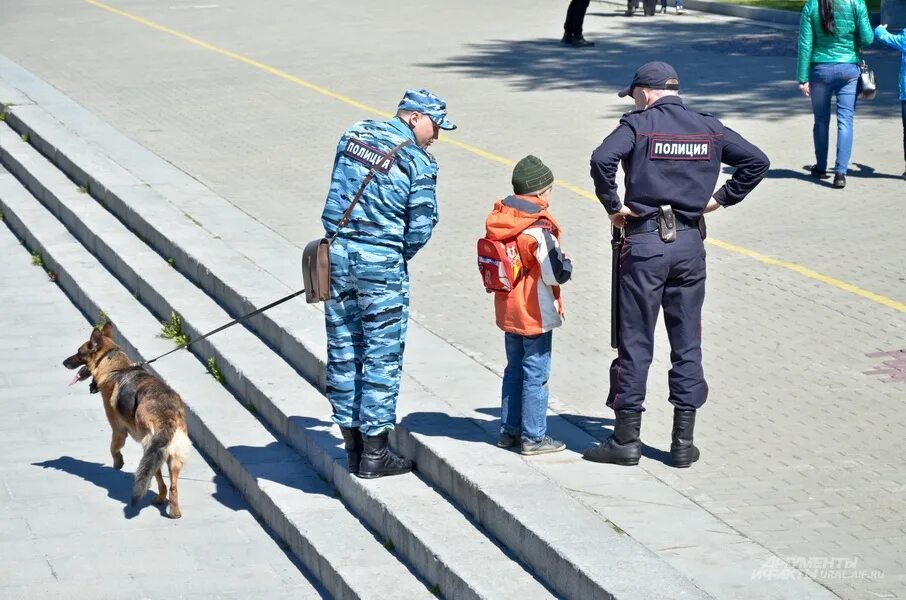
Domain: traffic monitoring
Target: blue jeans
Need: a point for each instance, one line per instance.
(524, 401)
(826, 80)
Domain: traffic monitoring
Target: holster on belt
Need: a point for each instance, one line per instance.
(702, 227)
(666, 223)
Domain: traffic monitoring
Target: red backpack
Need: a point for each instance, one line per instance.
(500, 264)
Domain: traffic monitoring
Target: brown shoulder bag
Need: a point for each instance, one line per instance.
(316, 254)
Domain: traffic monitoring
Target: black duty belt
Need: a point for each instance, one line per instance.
(649, 225)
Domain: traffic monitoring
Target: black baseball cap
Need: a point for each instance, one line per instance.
(655, 75)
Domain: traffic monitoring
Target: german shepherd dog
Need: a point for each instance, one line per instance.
(140, 404)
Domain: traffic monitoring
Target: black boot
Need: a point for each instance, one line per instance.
(623, 447)
(378, 460)
(682, 451)
(354, 447)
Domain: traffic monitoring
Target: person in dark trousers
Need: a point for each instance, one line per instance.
(671, 157)
(572, 28)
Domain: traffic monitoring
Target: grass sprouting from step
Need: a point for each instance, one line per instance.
(214, 370)
(172, 330)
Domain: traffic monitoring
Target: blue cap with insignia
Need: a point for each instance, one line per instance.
(426, 103)
(655, 75)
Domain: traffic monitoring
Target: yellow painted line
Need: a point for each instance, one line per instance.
(243, 59)
(804, 271)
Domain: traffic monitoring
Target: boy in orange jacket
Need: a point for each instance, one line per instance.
(529, 313)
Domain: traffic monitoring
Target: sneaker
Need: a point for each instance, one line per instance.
(545, 445)
(839, 181)
(508, 440)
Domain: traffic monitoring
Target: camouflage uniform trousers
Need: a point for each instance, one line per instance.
(366, 320)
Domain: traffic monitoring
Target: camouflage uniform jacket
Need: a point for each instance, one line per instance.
(398, 209)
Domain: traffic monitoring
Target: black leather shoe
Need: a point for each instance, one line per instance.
(352, 439)
(623, 447)
(814, 172)
(577, 41)
(839, 181)
(682, 451)
(378, 460)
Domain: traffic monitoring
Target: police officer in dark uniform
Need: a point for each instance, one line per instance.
(672, 158)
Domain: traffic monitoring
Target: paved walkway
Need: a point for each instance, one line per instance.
(65, 529)
(801, 446)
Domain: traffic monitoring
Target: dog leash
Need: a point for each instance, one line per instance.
(222, 327)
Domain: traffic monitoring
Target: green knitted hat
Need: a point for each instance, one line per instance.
(531, 176)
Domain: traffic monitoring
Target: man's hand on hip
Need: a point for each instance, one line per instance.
(712, 206)
(619, 218)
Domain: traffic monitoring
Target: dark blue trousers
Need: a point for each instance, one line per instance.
(654, 274)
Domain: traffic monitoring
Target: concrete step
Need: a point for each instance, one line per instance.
(544, 526)
(285, 491)
(432, 534)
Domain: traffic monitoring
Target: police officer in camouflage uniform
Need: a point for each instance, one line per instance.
(672, 157)
(368, 309)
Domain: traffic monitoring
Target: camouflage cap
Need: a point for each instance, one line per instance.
(426, 103)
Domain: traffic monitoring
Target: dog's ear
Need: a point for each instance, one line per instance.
(95, 339)
(107, 330)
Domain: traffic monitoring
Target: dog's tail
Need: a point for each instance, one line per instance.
(152, 460)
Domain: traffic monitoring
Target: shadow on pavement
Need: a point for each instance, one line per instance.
(726, 68)
(856, 170)
(118, 484)
(601, 428)
(485, 432)
(269, 462)
(864, 171)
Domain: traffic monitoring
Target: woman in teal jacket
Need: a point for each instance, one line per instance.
(897, 42)
(831, 32)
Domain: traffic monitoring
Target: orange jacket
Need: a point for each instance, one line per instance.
(534, 305)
